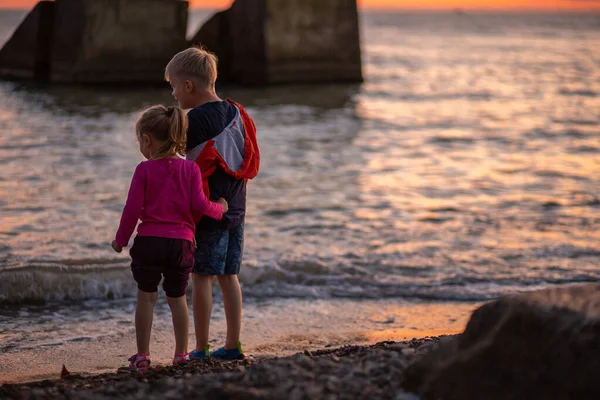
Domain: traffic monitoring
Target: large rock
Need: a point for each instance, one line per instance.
(539, 345)
(26, 55)
(294, 41)
(97, 41)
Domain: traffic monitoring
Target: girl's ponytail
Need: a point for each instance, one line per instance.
(165, 124)
(178, 125)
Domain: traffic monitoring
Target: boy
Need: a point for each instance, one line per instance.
(222, 140)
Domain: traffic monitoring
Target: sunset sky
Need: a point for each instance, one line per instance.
(548, 5)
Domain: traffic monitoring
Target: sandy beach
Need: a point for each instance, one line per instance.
(269, 330)
(338, 372)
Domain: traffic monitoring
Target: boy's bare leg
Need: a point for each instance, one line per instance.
(181, 322)
(144, 312)
(202, 302)
(232, 301)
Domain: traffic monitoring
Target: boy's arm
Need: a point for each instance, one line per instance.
(201, 205)
(133, 207)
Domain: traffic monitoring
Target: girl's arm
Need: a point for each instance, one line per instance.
(133, 207)
(200, 204)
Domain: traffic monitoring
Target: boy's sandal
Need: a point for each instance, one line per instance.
(229, 354)
(200, 355)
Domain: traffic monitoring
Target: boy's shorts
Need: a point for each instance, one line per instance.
(219, 251)
(155, 257)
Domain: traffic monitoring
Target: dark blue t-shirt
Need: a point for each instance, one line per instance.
(206, 122)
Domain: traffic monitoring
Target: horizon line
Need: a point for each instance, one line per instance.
(465, 10)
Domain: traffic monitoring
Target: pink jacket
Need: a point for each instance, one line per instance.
(166, 195)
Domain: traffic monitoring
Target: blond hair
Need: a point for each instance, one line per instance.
(165, 124)
(196, 63)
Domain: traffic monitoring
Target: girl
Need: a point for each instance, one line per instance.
(166, 195)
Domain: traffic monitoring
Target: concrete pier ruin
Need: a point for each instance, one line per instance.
(258, 42)
(292, 41)
(96, 41)
(27, 53)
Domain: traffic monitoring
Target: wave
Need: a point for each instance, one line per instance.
(35, 284)
(40, 284)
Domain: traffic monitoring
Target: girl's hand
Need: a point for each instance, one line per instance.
(223, 202)
(116, 246)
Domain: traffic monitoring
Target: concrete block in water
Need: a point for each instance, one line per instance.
(96, 41)
(26, 55)
(292, 41)
(112, 41)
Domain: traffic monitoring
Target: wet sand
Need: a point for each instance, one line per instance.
(271, 329)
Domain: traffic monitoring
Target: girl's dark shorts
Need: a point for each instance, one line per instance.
(155, 257)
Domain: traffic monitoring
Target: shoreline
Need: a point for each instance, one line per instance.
(347, 372)
(278, 329)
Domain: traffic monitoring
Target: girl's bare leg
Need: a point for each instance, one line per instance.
(144, 313)
(181, 322)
